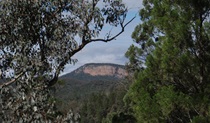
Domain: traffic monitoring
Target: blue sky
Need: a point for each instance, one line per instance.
(112, 52)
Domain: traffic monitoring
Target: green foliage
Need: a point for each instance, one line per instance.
(61, 82)
(174, 84)
(37, 39)
(105, 108)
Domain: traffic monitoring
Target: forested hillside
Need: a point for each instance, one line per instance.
(90, 78)
(95, 97)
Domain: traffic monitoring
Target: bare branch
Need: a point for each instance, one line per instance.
(112, 38)
(12, 81)
(81, 46)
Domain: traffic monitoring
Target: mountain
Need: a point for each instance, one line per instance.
(96, 70)
(88, 79)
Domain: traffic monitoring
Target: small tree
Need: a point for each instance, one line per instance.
(37, 39)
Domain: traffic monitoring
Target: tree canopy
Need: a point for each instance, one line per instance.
(37, 39)
(173, 50)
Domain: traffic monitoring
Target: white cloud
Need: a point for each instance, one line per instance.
(103, 53)
(100, 53)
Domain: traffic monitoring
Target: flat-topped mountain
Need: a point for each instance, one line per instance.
(90, 78)
(98, 70)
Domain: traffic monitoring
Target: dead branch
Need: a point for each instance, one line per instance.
(11, 81)
(112, 38)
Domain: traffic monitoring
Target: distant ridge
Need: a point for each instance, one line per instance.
(98, 69)
(96, 64)
(90, 78)
(111, 64)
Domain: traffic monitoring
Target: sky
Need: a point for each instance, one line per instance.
(111, 52)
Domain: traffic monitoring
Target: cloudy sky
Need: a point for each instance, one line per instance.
(112, 52)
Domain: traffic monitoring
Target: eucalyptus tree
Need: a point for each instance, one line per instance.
(174, 46)
(37, 39)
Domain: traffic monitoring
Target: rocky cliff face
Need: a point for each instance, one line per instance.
(103, 70)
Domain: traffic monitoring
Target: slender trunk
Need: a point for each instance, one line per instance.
(201, 54)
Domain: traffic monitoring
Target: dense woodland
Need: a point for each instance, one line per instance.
(169, 66)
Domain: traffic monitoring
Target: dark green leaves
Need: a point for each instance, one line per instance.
(176, 77)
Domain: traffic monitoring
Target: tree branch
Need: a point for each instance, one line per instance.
(112, 38)
(12, 81)
(55, 78)
(81, 46)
